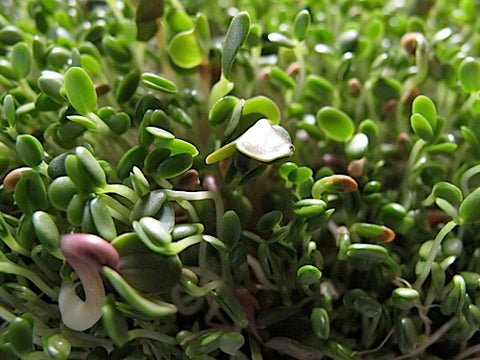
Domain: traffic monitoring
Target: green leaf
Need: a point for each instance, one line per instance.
(9, 108)
(20, 336)
(231, 229)
(236, 35)
(425, 107)
(185, 59)
(174, 166)
(178, 21)
(56, 346)
(421, 127)
(405, 298)
(155, 158)
(133, 157)
(320, 323)
(115, 323)
(84, 121)
(335, 123)
(222, 110)
(468, 210)
(178, 146)
(47, 232)
(231, 342)
(406, 334)
(21, 59)
(282, 77)
(149, 205)
(269, 221)
(455, 298)
(222, 153)
(357, 146)
(370, 253)
(29, 149)
(202, 32)
(30, 193)
(263, 106)
(300, 175)
(76, 208)
(281, 40)
(61, 191)
(102, 219)
(80, 90)
(78, 174)
(160, 133)
(469, 74)
(127, 86)
(149, 10)
(159, 83)
(91, 166)
(116, 49)
(147, 307)
(51, 83)
(154, 230)
(301, 24)
(309, 207)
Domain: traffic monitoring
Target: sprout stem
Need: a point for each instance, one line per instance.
(78, 314)
(433, 253)
(153, 335)
(11, 268)
(201, 195)
(466, 176)
(431, 340)
(6, 314)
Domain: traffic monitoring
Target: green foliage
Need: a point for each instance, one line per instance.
(256, 180)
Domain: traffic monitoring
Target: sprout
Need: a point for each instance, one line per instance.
(86, 254)
(263, 141)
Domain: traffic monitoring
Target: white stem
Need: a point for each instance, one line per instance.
(77, 314)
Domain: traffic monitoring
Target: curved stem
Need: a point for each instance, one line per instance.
(11, 268)
(117, 209)
(466, 176)
(77, 314)
(201, 195)
(121, 190)
(433, 253)
(472, 350)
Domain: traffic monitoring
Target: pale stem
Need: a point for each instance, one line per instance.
(77, 314)
(433, 253)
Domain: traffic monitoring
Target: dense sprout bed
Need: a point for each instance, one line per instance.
(229, 179)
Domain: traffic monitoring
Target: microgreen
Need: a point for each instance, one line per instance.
(239, 179)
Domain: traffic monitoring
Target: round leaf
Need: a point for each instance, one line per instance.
(336, 124)
(264, 106)
(175, 165)
(421, 127)
(177, 49)
(469, 75)
(425, 107)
